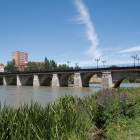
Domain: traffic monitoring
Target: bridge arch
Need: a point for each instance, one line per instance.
(118, 78)
(63, 79)
(29, 81)
(86, 78)
(13, 81)
(46, 80)
(1, 80)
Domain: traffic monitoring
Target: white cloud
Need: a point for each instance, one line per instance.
(124, 55)
(84, 18)
(137, 48)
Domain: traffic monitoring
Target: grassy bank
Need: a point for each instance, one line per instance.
(108, 114)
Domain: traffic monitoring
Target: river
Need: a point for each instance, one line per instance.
(16, 95)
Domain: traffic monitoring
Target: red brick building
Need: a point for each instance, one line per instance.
(20, 57)
(21, 66)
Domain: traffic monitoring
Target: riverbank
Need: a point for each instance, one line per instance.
(108, 114)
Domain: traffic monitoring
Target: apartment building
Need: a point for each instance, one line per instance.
(20, 57)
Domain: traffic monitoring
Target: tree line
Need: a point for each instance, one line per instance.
(33, 66)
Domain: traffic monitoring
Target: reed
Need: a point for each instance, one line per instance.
(97, 116)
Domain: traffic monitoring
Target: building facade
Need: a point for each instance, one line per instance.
(19, 57)
(21, 66)
(1, 67)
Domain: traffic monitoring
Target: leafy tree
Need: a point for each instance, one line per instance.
(71, 79)
(62, 67)
(53, 65)
(49, 65)
(131, 80)
(99, 75)
(46, 64)
(10, 67)
(77, 67)
(32, 66)
(40, 67)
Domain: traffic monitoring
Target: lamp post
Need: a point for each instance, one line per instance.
(68, 63)
(138, 60)
(97, 61)
(76, 65)
(103, 63)
(135, 56)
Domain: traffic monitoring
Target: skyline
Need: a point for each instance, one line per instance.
(79, 31)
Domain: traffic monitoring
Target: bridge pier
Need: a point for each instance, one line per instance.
(77, 80)
(60, 80)
(9, 80)
(18, 81)
(107, 80)
(55, 80)
(5, 81)
(82, 80)
(25, 80)
(36, 81)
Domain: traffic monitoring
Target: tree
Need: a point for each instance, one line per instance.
(71, 79)
(131, 80)
(62, 67)
(10, 67)
(53, 65)
(46, 64)
(77, 67)
(49, 65)
(32, 66)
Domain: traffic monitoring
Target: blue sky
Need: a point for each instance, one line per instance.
(79, 31)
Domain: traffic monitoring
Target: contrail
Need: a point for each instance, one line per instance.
(84, 18)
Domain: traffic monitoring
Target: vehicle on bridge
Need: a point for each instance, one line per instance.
(113, 66)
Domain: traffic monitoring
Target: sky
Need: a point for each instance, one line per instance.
(79, 31)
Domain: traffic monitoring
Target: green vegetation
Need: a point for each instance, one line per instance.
(71, 79)
(99, 75)
(10, 67)
(131, 80)
(108, 114)
(32, 66)
(47, 65)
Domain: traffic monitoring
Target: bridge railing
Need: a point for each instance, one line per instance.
(101, 67)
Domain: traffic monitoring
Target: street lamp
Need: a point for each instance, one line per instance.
(76, 65)
(138, 60)
(103, 62)
(135, 56)
(68, 63)
(97, 61)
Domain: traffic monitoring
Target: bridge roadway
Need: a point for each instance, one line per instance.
(111, 77)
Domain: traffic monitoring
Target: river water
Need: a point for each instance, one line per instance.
(17, 95)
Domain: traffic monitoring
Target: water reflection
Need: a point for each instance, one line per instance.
(14, 95)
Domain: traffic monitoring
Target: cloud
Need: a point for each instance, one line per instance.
(137, 48)
(84, 18)
(125, 55)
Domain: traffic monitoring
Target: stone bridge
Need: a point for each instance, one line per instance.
(111, 77)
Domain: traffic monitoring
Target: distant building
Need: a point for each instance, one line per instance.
(20, 57)
(21, 66)
(1, 67)
(38, 63)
